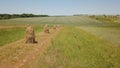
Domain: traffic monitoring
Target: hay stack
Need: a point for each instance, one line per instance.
(30, 35)
(46, 29)
(58, 26)
(55, 27)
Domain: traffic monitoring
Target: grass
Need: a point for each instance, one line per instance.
(23, 21)
(13, 34)
(111, 35)
(75, 48)
(72, 47)
(110, 21)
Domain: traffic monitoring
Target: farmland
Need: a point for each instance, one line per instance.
(65, 51)
(81, 42)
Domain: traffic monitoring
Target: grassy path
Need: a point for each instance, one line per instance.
(75, 48)
(20, 55)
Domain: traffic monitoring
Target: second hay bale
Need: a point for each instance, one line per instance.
(46, 29)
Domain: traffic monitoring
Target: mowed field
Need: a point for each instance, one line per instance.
(80, 42)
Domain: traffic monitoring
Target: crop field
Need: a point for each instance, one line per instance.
(65, 51)
(79, 42)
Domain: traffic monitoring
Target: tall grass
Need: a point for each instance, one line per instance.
(75, 48)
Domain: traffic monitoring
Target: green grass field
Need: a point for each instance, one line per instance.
(83, 42)
(75, 48)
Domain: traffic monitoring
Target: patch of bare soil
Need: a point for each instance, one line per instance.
(20, 55)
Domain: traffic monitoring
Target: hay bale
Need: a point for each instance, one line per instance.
(55, 27)
(30, 35)
(58, 26)
(46, 29)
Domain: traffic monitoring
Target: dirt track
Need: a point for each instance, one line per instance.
(20, 55)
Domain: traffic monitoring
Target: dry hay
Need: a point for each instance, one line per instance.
(30, 35)
(46, 29)
(59, 26)
(55, 27)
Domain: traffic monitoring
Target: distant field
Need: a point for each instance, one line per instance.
(111, 21)
(83, 42)
(71, 20)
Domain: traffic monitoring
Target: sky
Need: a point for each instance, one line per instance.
(60, 7)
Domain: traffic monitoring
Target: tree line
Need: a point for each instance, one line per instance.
(24, 15)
